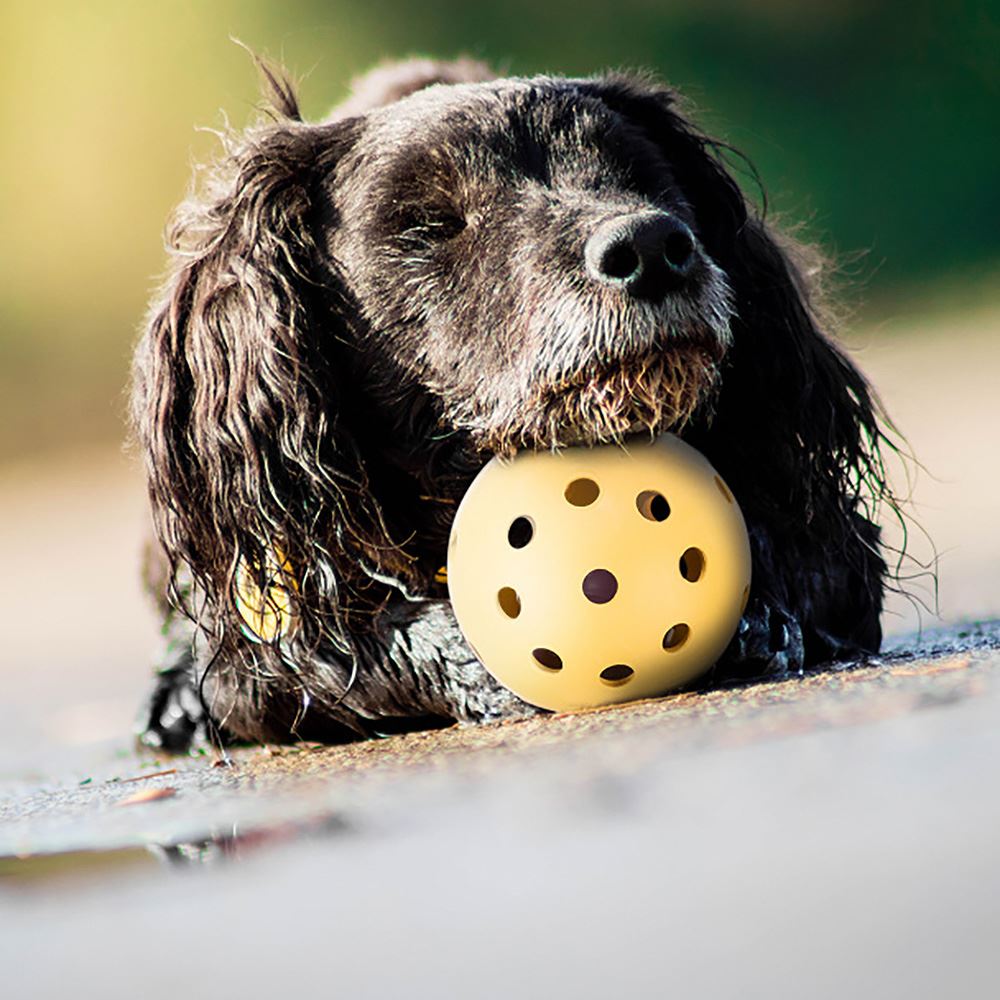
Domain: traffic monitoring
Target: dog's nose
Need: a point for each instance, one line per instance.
(647, 253)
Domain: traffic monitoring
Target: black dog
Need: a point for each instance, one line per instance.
(361, 312)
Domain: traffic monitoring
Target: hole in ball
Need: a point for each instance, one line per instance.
(724, 490)
(675, 637)
(510, 603)
(617, 673)
(520, 532)
(746, 597)
(652, 505)
(547, 658)
(582, 492)
(599, 586)
(692, 564)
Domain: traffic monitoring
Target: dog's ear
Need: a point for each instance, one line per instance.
(257, 485)
(392, 81)
(796, 429)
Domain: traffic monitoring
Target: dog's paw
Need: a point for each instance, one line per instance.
(172, 718)
(768, 644)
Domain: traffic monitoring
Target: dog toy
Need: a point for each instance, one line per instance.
(598, 575)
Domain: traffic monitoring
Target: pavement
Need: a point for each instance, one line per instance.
(825, 836)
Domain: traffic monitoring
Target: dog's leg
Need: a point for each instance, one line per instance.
(424, 661)
(415, 672)
(172, 718)
(768, 645)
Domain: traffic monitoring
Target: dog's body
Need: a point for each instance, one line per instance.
(362, 311)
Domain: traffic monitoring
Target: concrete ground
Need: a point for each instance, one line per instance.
(822, 837)
(828, 837)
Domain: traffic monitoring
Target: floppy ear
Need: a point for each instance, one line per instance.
(795, 428)
(258, 489)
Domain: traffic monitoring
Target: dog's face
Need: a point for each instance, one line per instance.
(522, 253)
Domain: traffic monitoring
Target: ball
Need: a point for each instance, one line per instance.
(591, 576)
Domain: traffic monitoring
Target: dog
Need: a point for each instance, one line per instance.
(360, 312)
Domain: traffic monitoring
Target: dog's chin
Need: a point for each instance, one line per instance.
(605, 403)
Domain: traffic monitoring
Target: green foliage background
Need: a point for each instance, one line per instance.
(875, 125)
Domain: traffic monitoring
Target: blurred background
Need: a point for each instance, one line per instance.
(873, 125)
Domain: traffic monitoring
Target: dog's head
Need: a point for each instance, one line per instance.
(362, 310)
(523, 253)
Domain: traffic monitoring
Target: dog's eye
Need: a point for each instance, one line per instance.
(443, 225)
(448, 225)
(427, 223)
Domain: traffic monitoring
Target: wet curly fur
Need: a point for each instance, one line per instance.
(360, 312)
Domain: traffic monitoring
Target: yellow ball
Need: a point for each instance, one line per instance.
(599, 575)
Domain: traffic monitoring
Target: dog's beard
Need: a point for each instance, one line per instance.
(637, 367)
(654, 393)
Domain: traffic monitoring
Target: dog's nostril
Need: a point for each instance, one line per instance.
(645, 254)
(619, 261)
(678, 248)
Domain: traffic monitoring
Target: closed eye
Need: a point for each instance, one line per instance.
(443, 224)
(426, 223)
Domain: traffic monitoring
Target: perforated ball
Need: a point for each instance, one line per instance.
(598, 575)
